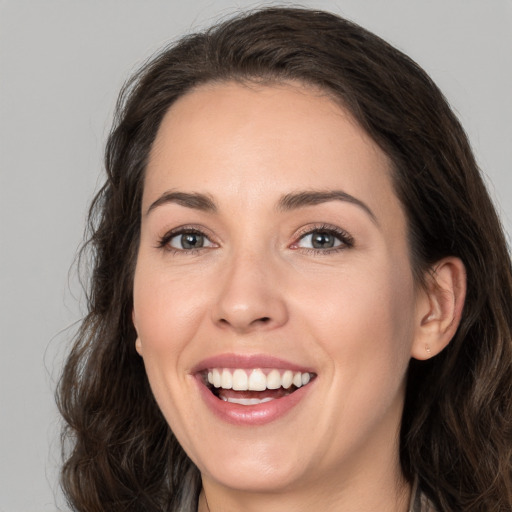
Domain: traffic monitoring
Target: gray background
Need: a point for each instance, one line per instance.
(61, 66)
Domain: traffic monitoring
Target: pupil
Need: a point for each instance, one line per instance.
(191, 241)
(322, 240)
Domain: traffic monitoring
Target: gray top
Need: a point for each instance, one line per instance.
(419, 502)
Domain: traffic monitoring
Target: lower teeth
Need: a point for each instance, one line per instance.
(247, 401)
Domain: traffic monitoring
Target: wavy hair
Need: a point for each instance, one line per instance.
(456, 434)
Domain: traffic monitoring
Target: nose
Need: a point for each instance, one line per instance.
(250, 297)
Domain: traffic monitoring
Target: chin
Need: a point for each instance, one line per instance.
(255, 474)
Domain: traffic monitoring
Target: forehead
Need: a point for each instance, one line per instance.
(245, 142)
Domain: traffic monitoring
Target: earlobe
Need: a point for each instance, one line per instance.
(138, 346)
(439, 307)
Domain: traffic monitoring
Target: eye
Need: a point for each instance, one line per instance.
(324, 239)
(185, 239)
(320, 240)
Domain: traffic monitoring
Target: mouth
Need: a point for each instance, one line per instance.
(252, 390)
(253, 386)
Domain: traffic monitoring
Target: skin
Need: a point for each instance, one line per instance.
(355, 314)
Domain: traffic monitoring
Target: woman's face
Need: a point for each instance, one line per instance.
(273, 248)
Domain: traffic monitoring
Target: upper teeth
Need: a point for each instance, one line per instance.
(256, 380)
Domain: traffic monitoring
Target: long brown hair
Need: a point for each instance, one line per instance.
(456, 434)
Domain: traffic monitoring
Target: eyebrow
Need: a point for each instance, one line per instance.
(193, 200)
(288, 202)
(298, 200)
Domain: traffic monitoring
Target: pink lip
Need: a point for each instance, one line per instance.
(247, 362)
(249, 415)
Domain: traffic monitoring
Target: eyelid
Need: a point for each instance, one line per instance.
(163, 241)
(343, 236)
(347, 240)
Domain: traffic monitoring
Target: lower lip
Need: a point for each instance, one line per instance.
(251, 415)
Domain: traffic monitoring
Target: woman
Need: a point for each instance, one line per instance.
(302, 296)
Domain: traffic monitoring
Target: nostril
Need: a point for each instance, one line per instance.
(240, 323)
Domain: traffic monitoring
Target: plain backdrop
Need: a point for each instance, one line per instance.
(62, 63)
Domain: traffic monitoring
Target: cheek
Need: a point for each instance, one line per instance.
(164, 319)
(166, 308)
(363, 321)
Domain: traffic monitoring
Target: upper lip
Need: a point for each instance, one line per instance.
(245, 361)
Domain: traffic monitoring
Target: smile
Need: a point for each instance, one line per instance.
(252, 387)
(251, 390)
(262, 385)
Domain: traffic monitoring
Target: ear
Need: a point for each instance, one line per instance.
(138, 346)
(138, 343)
(439, 307)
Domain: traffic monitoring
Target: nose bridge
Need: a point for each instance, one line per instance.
(250, 296)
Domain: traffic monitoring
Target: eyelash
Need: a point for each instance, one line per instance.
(347, 241)
(164, 241)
